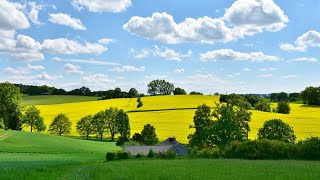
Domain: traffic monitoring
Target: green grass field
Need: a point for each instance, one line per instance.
(40, 156)
(52, 99)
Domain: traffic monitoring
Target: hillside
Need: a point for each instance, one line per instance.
(172, 115)
(54, 99)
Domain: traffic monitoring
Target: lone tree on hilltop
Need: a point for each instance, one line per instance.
(283, 107)
(179, 91)
(85, 126)
(10, 99)
(60, 125)
(148, 135)
(160, 87)
(276, 129)
(33, 119)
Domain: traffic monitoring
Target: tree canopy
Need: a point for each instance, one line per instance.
(276, 129)
(33, 119)
(179, 91)
(160, 87)
(10, 99)
(311, 95)
(60, 125)
(85, 127)
(148, 135)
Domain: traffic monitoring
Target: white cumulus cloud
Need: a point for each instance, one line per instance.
(66, 20)
(308, 39)
(72, 69)
(12, 17)
(231, 55)
(114, 6)
(128, 69)
(162, 52)
(33, 14)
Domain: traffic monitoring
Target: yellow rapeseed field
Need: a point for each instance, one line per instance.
(304, 120)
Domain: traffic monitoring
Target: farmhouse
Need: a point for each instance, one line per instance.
(169, 144)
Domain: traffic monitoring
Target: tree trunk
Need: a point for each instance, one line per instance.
(87, 136)
(112, 136)
(101, 137)
(31, 128)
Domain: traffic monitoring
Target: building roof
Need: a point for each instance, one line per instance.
(134, 150)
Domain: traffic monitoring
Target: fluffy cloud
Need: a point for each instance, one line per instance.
(27, 56)
(114, 6)
(246, 18)
(309, 39)
(66, 46)
(162, 52)
(250, 17)
(35, 67)
(45, 76)
(66, 20)
(33, 14)
(72, 69)
(155, 76)
(246, 70)
(306, 59)
(128, 69)
(28, 43)
(12, 17)
(97, 80)
(85, 61)
(230, 55)
(106, 41)
(19, 71)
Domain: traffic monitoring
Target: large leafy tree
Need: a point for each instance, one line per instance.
(60, 125)
(160, 87)
(123, 124)
(283, 107)
(112, 126)
(179, 91)
(99, 124)
(262, 105)
(148, 135)
(133, 93)
(33, 119)
(10, 99)
(202, 120)
(276, 129)
(85, 126)
(231, 123)
(311, 95)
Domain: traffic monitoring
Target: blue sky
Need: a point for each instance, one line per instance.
(243, 46)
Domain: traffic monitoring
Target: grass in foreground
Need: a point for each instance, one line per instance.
(54, 99)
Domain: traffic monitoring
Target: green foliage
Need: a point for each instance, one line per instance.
(85, 126)
(231, 123)
(195, 93)
(209, 153)
(123, 125)
(138, 156)
(179, 91)
(148, 134)
(1, 123)
(151, 154)
(311, 95)
(202, 120)
(235, 100)
(277, 97)
(283, 107)
(140, 104)
(259, 149)
(60, 125)
(10, 99)
(309, 149)
(137, 137)
(253, 100)
(123, 155)
(160, 87)
(171, 154)
(262, 105)
(112, 123)
(33, 119)
(111, 156)
(133, 93)
(100, 124)
(276, 129)
(121, 141)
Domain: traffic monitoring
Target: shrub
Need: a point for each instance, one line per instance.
(137, 137)
(262, 105)
(139, 155)
(111, 156)
(283, 107)
(138, 99)
(140, 104)
(121, 140)
(151, 154)
(123, 155)
(210, 153)
(171, 154)
(309, 149)
(276, 129)
(259, 149)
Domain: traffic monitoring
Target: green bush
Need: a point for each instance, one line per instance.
(212, 153)
(121, 141)
(283, 107)
(139, 156)
(259, 149)
(1, 124)
(309, 149)
(171, 154)
(111, 156)
(140, 104)
(123, 155)
(151, 154)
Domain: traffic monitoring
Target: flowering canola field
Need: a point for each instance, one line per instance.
(174, 116)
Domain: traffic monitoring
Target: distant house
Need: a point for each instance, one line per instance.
(165, 146)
